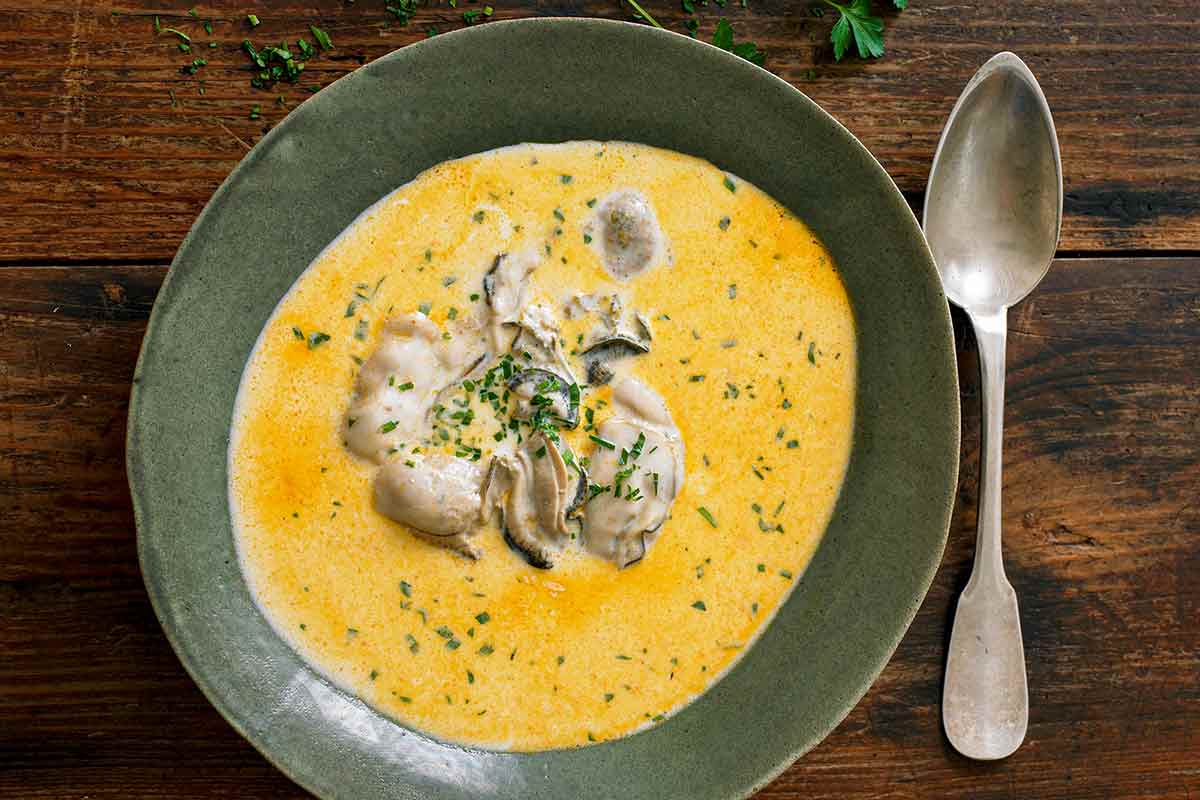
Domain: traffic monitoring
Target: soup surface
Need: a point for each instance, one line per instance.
(751, 349)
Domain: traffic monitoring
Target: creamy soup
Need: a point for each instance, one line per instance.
(532, 452)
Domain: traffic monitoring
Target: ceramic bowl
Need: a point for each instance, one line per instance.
(546, 80)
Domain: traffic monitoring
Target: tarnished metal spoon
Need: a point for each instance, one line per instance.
(993, 211)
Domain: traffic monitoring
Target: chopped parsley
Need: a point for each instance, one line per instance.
(699, 605)
(322, 37)
(723, 38)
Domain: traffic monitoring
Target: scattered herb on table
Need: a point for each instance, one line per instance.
(322, 37)
(723, 38)
(856, 24)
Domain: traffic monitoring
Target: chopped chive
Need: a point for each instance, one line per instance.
(699, 605)
(729, 184)
(704, 512)
(605, 443)
(483, 617)
(406, 588)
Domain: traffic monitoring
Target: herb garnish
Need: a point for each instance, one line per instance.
(704, 512)
(322, 37)
(723, 38)
(857, 24)
(699, 605)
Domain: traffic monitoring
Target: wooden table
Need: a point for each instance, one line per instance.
(102, 170)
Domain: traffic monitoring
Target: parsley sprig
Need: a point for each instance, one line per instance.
(856, 24)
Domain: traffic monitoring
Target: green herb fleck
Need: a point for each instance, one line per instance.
(723, 38)
(704, 512)
(253, 20)
(729, 184)
(483, 618)
(322, 37)
(699, 605)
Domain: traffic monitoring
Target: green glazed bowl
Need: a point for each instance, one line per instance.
(546, 80)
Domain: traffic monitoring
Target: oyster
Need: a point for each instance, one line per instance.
(437, 495)
(642, 474)
(397, 385)
(631, 240)
(535, 493)
(506, 287)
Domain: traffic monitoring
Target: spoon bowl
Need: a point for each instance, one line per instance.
(993, 209)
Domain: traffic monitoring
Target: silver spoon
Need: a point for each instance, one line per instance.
(993, 211)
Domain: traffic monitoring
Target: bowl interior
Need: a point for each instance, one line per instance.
(546, 81)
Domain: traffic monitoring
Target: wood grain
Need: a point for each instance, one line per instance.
(1101, 525)
(99, 163)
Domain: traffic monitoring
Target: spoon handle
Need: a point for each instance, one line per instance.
(991, 333)
(985, 701)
